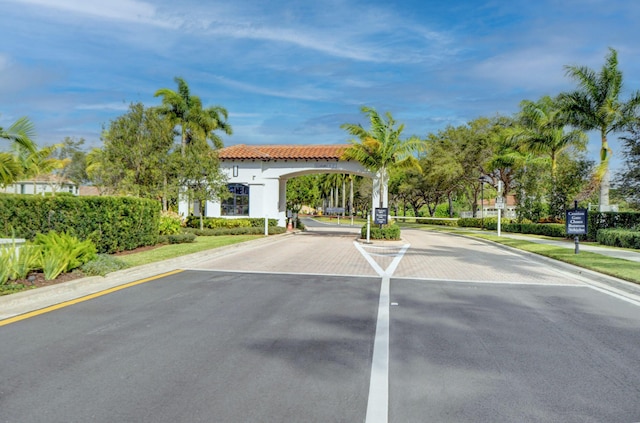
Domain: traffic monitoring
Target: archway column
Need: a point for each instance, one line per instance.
(375, 192)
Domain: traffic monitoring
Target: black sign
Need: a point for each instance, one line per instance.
(576, 222)
(381, 216)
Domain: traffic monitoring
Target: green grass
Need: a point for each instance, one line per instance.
(202, 243)
(619, 268)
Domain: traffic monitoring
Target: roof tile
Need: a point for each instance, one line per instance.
(282, 152)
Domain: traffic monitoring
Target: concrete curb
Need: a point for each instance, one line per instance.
(39, 298)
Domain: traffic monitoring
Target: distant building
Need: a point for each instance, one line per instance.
(42, 185)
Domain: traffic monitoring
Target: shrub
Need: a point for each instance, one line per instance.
(112, 223)
(102, 264)
(6, 257)
(181, 238)
(222, 222)
(54, 262)
(389, 232)
(441, 222)
(273, 230)
(64, 252)
(547, 229)
(619, 238)
(26, 259)
(170, 223)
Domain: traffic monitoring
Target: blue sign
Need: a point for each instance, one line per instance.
(576, 222)
(381, 216)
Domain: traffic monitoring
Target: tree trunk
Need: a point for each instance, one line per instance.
(200, 202)
(605, 183)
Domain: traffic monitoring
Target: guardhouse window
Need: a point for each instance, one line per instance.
(238, 203)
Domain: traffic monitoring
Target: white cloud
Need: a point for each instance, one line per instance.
(117, 10)
(103, 106)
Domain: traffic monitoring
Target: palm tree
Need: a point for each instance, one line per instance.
(542, 130)
(186, 111)
(596, 105)
(380, 147)
(20, 134)
(39, 162)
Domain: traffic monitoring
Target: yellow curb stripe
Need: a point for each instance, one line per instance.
(85, 298)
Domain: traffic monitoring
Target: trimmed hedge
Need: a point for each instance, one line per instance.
(619, 238)
(557, 230)
(611, 220)
(273, 230)
(441, 222)
(112, 223)
(390, 232)
(221, 222)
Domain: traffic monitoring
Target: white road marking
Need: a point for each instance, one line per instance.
(378, 401)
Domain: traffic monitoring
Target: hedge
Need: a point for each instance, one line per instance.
(221, 222)
(557, 230)
(112, 223)
(273, 230)
(390, 232)
(611, 220)
(619, 238)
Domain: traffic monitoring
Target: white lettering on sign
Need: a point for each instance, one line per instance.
(326, 166)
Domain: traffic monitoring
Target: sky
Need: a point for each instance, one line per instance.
(291, 72)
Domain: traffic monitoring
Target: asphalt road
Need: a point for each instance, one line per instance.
(291, 332)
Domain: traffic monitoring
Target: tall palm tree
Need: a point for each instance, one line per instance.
(596, 105)
(186, 111)
(542, 130)
(380, 147)
(20, 134)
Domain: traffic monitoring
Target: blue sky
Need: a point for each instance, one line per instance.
(291, 72)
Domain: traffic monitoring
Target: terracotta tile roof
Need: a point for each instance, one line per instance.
(282, 152)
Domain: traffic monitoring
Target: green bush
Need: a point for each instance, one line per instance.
(441, 222)
(103, 264)
(547, 229)
(26, 260)
(182, 238)
(610, 220)
(470, 222)
(619, 238)
(273, 230)
(170, 223)
(389, 232)
(54, 262)
(112, 223)
(63, 253)
(6, 258)
(222, 222)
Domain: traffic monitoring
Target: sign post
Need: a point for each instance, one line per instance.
(500, 206)
(381, 216)
(576, 223)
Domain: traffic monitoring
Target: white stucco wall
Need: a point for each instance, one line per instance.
(267, 183)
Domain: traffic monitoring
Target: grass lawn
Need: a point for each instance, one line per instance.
(619, 268)
(201, 243)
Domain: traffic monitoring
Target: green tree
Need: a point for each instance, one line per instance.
(596, 105)
(20, 135)
(301, 191)
(380, 147)
(76, 169)
(200, 174)
(541, 130)
(39, 163)
(629, 178)
(137, 155)
(195, 122)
